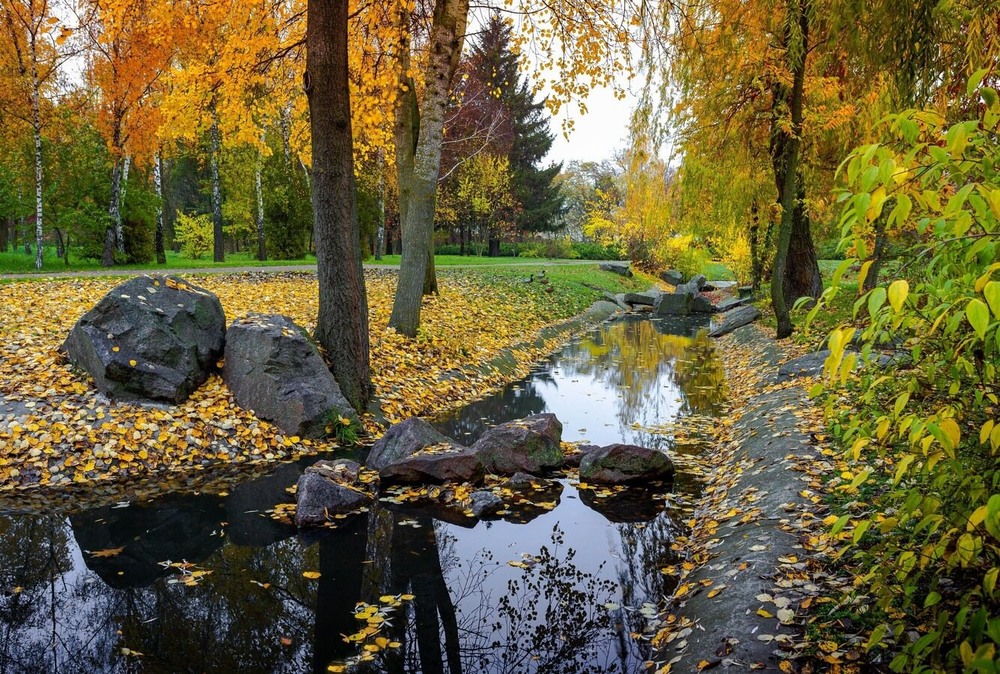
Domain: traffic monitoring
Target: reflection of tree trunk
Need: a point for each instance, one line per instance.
(341, 563)
(416, 563)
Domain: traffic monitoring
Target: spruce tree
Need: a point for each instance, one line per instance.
(525, 137)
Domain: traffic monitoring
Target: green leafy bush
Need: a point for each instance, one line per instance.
(194, 234)
(927, 432)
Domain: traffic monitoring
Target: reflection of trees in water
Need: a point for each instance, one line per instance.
(635, 358)
(512, 402)
(645, 550)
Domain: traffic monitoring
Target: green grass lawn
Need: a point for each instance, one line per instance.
(19, 263)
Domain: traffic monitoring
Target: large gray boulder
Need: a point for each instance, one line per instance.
(319, 497)
(405, 439)
(676, 304)
(436, 464)
(529, 445)
(273, 368)
(622, 464)
(733, 319)
(151, 338)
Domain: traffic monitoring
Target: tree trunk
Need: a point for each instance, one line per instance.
(785, 156)
(60, 248)
(218, 238)
(380, 209)
(881, 238)
(119, 231)
(259, 189)
(158, 243)
(114, 211)
(36, 123)
(447, 35)
(342, 324)
(802, 277)
(494, 246)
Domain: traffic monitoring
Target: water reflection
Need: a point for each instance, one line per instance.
(523, 594)
(611, 385)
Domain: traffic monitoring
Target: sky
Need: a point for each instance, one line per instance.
(598, 134)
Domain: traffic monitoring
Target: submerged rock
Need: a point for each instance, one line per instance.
(151, 338)
(529, 445)
(485, 503)
(318, 497)
(623, 464)
(273, 368)
(436, 464)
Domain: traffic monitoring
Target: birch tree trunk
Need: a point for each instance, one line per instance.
(447, 34)
(123, 187)
(342, 324)
(259, 191)
(218, 240)
(158, 243)
(114, 214)
(380, 208)
(36, 123)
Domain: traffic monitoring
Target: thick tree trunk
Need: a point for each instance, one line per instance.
(36, 123)
(259, 191)
(785, 156)
(218, 237)
(802, 277)
(342, 324)
(158, 242)
(447, 35)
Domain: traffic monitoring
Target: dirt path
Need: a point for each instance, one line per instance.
(306, 268)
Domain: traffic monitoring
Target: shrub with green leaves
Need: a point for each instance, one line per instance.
(926, 427)
(194, 233)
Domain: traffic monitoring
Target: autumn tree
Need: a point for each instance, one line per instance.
(32, 33)
(342, 324)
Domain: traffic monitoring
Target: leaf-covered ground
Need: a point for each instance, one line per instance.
(61, 432)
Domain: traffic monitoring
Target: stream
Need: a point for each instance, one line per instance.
(200, 582)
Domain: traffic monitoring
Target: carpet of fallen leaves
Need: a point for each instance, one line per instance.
(61, 432)
(803, 582)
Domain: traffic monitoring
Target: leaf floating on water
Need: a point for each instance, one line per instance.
(311, 575)
(108, 552)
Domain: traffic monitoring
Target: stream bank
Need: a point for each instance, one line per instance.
(741, 604)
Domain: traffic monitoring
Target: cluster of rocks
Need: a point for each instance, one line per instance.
(413, 452)
(687, 299)
(158, 338)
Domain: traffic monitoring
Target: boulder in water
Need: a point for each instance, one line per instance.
(623, 464)
(529, 445)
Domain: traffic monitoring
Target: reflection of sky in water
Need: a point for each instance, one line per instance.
(76, 612)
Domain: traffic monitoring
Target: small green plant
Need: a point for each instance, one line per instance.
(345, 429)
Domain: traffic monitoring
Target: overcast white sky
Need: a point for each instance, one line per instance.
(598, 134)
